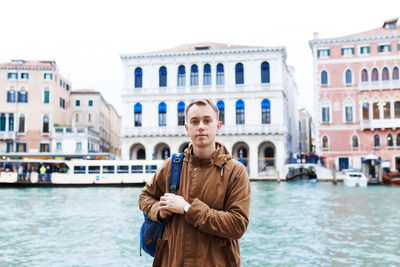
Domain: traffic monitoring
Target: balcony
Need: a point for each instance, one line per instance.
(7, 135)
(380, 124)
(379, 85)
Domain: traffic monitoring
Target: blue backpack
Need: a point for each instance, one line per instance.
(151, 231)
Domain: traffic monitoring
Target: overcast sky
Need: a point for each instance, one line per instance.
(86, 37)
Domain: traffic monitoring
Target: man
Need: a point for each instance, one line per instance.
(210, 211)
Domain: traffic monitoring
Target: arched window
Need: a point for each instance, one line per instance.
(11, 95)
(239, 73)
(162, 76)
(138, 114)
(349, 78)
(162, 114)
(397, 108)
(3, 122)
(181, 76)
(377, 140)
(239, 112)
(265, 72)
(207, 75)
(364, 75)
(365, 110)
(398, 140)
(221, 107)
(11, 122)
(45, 128)
(141, 154)
(395, 75)
(181, 113)
(375, 74)
(389, 140)
(325, 142)
(348, 107)
(386, 109)
(385, 74)
(266, 111)
(194, 75)
(325, 110)
(375, 110)
(220, 74)
(22, 96)
(138, 77)
(21, 125)
(324, 78)
(354, 141)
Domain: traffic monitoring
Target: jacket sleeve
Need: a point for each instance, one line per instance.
(231, 222)
(149, 199)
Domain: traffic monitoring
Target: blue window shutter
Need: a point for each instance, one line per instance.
(319, 53)
(342, 51)
(181, 106)
(162, 107)
(329, 52)
(221, 105)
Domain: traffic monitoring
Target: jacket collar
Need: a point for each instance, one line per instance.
(219, 158)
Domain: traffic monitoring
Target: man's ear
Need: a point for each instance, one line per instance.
(219, 125)
(186, 127)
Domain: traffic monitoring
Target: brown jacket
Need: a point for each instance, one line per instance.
(207, 235)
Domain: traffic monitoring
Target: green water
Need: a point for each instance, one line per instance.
(291, 224)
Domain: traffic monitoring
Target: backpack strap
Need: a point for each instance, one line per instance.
(176, 168)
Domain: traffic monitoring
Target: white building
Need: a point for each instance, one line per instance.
(71, 140)
(252, 86)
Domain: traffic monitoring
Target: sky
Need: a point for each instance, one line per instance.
(86, 38)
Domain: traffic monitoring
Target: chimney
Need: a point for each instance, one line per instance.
(316, 35)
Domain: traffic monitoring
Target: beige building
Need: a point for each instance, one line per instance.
(89, 109)
(34, 98)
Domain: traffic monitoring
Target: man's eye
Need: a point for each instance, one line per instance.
(195, 122)
(207, 121)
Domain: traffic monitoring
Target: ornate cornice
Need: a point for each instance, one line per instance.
(26, 68)
(355, 39)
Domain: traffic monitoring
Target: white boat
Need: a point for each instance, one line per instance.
(355, 179)
(77, 172)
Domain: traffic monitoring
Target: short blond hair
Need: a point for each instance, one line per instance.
(203, 102)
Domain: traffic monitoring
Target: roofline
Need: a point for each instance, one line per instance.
(204, 52)
(85, 93)
(354, 39)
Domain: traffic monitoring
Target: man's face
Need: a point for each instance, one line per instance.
(202, 125)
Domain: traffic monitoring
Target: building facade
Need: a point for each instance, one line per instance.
(253, 88)
(34, 98)
(305, 132)
(89, 109)
(357, 96)
(68, 140)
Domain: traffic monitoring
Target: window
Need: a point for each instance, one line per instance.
(3, 122)
(59, 146)
(10, 147)
(365, 111)
(389, 140)
(265, 72)
(220, 74)
(77, 103)
(24, 76)
(398, 140)
(375, 74)
(324, 78)
(79, 147)
(325, 142)
(377, 140)
(20, 147)
(21, 126)
(45, 128)
(325, 111)
(122, 169)
(162, 114)
(90, 103)
(181, 113)
(162, 76)
(385, 48)
(239, 73)
(76, 117)
(44, 147)
(194, 76)
(181, 76)
(12, 75)
(151, 168)
(138, 78)
(90, 119)
(347, 51)
(221, 107)
(375, 110)
(11, 95)
(364, 50)
(395, 75)
(46, 96)
(79, 169)
(385, 74)
(349, 78)
(266, 111)
(397, 109)
(354, 141)
(239, 112)
(136, 169)
(386, 110)
(11, 122)
(94, 169)
(137, 110)
(207, 75)
(48, 76)
(348, 106)
(108, 169)
(364, 75)
(323, 53)
(22, 96)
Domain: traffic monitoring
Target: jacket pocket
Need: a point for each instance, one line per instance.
(160, 255)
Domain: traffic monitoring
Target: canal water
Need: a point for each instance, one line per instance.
(291, 224)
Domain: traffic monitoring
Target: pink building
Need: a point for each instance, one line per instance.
(357, 96)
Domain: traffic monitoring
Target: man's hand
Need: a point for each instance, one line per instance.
(171, 203)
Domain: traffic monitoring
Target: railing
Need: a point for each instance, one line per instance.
(379, 85)
(7, 135)
(380, 124)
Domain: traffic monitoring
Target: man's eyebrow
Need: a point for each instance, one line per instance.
(204, 117)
